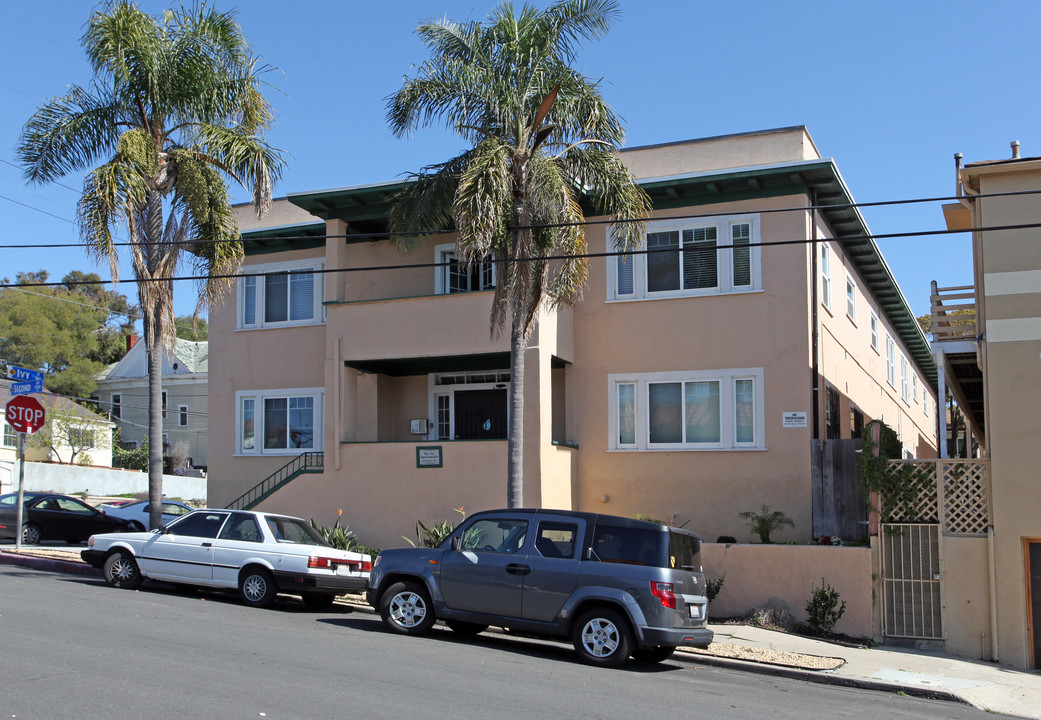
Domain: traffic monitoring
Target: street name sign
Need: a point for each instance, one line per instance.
(25, 376)
(22, 388)
(25, 414)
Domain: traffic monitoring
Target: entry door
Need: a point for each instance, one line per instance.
(480, 414)
(911, 571)
(1034, 595)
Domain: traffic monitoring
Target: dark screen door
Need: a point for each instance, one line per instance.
(1035, 598)
(480, 414)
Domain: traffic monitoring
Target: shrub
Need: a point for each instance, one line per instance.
(343, 538)
(433, 536)
(713, 586)
(764, 522)
(823, 609)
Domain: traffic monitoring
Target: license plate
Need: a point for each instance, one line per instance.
(342, 569)
(695, 611)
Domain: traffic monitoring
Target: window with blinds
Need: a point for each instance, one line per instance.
(678, 258)
(702, 410)
(274, 296)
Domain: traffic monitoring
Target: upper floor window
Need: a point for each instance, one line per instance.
(280, 295)
(905, 393)
(695, 410)
(454, 276)
(826, 275)
(914, 387)
(851, 298)
(707, 256)
(182, 415)
(874, 330)
(890, 361)
(117, 406)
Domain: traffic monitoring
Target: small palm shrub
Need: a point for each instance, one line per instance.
(342, 537)
(713, 586)
(433, 536)
(823, 609)
(765, 522)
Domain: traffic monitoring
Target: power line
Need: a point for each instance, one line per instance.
(540, 258)
(31, 207)
(55, 182)
(547, 226)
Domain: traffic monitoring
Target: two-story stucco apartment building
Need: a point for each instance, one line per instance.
(689, 384)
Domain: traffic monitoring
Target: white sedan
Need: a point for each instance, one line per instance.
(137, 512)
(259, 554)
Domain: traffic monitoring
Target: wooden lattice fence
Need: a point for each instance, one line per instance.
(951, 492)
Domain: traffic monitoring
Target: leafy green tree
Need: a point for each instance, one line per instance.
(175, 107)
(70, 433)
(189, 328)
(542, 142)
(67, 332)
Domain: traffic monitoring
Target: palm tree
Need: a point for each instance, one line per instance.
(174, 107)
(542, 140)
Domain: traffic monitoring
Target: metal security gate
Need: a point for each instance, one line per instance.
(912, 602)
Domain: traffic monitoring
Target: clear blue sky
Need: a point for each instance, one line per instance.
(890, 90)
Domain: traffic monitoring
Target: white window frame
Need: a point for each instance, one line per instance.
(826, 276)
(469, 381)
(115, 406)
(446, 253)
(728, 417)
(725, 283)
(905, 383)
(851, 297)
(164, 404)
(315, 265)
(890, 361)
(8, 434)
(258, 397)
(873, 325)
(914, 387)
(182, 416)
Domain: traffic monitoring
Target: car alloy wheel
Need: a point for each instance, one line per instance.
(256, 587)
(30, 534)
(121, 571)
(602, 637)
(405, 608)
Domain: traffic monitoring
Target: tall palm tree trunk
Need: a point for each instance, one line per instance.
(515, 443)
(155, 424)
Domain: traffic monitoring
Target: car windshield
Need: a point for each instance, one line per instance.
(294, 530)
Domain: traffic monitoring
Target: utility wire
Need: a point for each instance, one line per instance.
(539, 258)
(546, 226)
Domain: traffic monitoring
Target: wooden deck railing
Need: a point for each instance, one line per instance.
(953, 312)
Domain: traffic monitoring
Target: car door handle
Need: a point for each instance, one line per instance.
(207, 544)
(518, 569)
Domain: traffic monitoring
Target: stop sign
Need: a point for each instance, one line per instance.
(24, 414)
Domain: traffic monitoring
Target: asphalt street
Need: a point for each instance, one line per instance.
(71, 647)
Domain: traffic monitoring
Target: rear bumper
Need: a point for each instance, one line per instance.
(296, 583)
(676, 637)
(94, 558)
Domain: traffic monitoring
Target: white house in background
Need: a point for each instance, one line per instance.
(122, 393)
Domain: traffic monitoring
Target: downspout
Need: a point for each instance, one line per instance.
(993, 595)
(814, 317)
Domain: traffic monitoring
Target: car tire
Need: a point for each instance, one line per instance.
(653, 654)
(406, 608)
(601, 637)
(31, 534)
(121, 570)
(466, 629)
(256, 587)
(318, 601)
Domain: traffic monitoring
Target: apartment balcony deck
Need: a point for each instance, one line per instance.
(956, 346)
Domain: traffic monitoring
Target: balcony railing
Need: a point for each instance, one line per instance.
(953, 313)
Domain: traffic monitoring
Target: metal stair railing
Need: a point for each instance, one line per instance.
(310, 462)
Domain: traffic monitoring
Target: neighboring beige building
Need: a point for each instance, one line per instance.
(993, 367)
(690, 385)
(122, 392)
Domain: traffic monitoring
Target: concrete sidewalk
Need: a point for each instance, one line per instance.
(985, 685)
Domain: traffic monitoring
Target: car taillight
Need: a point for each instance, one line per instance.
(320, 562)
(366, 566)
(663, 591)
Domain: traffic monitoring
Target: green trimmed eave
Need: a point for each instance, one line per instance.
(283, 238)
(846, 223)
(401, 367)
(364, 207)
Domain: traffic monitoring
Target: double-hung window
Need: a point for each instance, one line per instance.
(10, 436)
(281, 295)
(905, 392)
(826, 275)
(454, 276)
(182, 416)
(874, 330)
(697, 410)
(890, 361)
(707, 256)
(277, 422)
(851, 298)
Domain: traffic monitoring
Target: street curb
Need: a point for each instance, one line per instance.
(70, 567)
(823, 677)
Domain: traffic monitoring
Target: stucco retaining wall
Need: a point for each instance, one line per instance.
(75, 479)
(779, 576)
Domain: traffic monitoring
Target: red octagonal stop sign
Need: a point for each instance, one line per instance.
(24, 414)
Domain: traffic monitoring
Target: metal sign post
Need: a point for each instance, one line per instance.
(21, 491)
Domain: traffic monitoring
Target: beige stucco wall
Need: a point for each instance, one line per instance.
(780, 576)
(1008, 277)
(721, 153)
(966, 597)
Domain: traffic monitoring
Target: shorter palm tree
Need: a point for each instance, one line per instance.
(765, 522)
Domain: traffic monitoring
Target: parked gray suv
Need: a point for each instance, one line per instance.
(615, 586)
